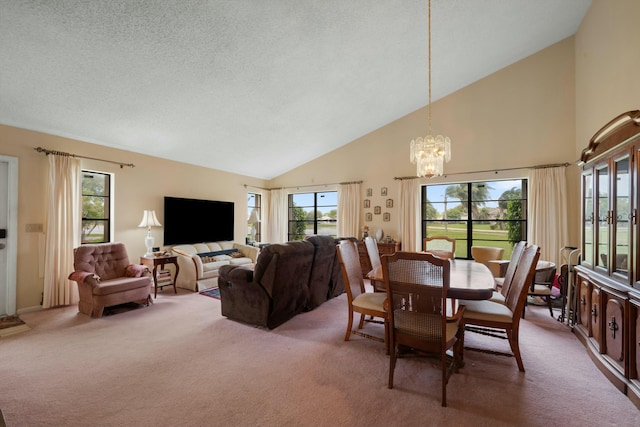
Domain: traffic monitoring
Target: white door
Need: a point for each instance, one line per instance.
(8, 233)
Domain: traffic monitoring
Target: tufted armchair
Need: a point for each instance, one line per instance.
(106, 278)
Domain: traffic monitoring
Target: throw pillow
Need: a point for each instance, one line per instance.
(135, 270)
(236, 255)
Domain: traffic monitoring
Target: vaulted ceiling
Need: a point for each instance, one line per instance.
(253, 87)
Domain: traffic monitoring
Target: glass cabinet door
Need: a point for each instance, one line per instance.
(602, 216)
(622, 215)
(587, 218)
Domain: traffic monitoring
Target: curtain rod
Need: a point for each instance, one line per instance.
(304, 186)
(554, 165)
(61, 153)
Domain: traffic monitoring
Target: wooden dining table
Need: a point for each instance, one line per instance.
(468, 280)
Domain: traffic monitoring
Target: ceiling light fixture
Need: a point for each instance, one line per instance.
(430, 153)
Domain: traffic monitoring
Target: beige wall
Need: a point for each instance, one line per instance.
(135, 189)
(520, 116)
(607, 65)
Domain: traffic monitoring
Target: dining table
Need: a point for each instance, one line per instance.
(468, 280)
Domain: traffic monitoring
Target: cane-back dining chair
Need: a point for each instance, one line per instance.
(417, 286)
(360, 301)
(441, 246)
(543, 283)
(374, 257)
(503, 320)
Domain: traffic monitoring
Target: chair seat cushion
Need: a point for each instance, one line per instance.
(497, 297)
(486, 310)
(541, 290)
(121, 284)
(370, 300)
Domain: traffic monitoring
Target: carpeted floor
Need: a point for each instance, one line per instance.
(180, 363)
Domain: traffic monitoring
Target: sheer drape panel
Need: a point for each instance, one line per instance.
(278, 216)
(548, 211)
(410, 215)
(63, 230)
(349, 210)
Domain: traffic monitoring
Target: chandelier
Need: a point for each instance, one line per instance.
(430, 153)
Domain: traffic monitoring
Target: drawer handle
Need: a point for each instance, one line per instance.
(613, 327)
(583, 301)
(594, 311)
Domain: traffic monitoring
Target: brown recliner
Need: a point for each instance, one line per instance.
(274, 291)
(106, 278)
(326, 279)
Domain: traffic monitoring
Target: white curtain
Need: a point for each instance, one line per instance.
(349, 210)
(63, 230)
(548, 211)
(410, 215)
(278, 217)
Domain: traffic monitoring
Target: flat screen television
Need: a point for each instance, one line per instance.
(196, 221)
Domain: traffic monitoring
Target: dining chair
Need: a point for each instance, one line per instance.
(374, 257)
(503, 284)
(484, 254)
(417, 286)
(442, 246)
(503, 320)
(542, 283)
(360, 301)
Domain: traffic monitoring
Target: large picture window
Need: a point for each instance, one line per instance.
(96, 207)
(313, 213)
(491, 213)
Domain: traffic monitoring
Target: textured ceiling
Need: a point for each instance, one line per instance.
(253, 87)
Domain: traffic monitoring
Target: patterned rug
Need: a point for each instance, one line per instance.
(10, 325)
(211, 292)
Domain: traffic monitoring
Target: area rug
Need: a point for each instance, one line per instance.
(211, 292)
(10, 325)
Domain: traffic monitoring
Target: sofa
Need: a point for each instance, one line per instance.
(200, 262)
(106, 278)
(287, 279)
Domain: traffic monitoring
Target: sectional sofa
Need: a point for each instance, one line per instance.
(200, 262)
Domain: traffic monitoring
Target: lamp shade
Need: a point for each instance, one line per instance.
(254, 217)
(149, 219)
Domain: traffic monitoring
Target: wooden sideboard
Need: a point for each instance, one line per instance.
(383, 249)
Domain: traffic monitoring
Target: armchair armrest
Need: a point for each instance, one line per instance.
(81, 276)
(248, 251)
(498, 267)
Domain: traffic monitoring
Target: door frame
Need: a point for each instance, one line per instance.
(12, 235)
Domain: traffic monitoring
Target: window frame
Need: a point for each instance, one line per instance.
(315, 221)
(108, 234)
(463, 245)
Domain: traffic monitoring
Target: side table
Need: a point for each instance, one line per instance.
(161, 261)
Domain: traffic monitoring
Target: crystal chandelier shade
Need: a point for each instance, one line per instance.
(430, 153)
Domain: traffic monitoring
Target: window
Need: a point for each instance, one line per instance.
(254, 217)
(494, 215)
(96, 207)
(313, 213)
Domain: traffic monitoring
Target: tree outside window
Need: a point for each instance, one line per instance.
(96, 207)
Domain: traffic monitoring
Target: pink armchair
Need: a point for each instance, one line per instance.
(106, 278)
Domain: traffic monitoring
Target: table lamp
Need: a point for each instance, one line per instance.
(149, 220)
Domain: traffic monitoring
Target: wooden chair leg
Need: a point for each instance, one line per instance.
(515, 348)
(549, 304)
(349, 326)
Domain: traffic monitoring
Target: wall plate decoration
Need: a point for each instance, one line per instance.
(386, 217)
(377, 210)
(367, 203)
(389, 203)
(383, 191)
(369, 192)
(368, 217)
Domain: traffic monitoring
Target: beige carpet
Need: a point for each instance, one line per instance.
(179, 363)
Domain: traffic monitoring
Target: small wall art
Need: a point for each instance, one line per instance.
(368, 217)
(367, 203)
(369, 192)
(389, 203)
(386, 217)
(377, 210)
(383, 191)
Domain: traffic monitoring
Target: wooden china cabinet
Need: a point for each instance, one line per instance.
(608, 278)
